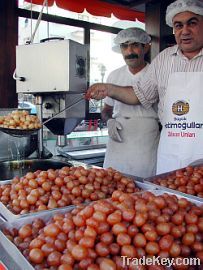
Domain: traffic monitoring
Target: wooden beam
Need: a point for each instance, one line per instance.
(117, 2)
(129, 3)
(138, 2)
(8, 41)
(155, 26)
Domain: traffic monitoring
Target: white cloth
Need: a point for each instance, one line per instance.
(124, 77)
(114, 128)
(179, 6)
(133, 34)
(181, 140)
(153, 85)
(136, 155)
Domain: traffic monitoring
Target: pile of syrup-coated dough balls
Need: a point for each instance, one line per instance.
(20, 119)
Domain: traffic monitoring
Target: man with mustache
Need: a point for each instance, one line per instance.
(174, 79)
(133, 130)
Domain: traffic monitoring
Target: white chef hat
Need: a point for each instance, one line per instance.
(195, 6)
(131, 35)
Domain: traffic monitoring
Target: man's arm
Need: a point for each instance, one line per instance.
(107, 112)
(124, 94)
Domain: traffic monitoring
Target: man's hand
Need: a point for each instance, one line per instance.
(97, 91)
(123, 94)
(113, 129)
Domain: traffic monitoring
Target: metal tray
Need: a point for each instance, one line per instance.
(144, 186)
(170, 192)
(83, 152)
(13, 252)
(10, 169)
(176, 192)
(188, 196)
(45, 215)
(10, 255)
(7, 215)
(19, 132)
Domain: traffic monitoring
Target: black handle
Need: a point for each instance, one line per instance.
(51, 38)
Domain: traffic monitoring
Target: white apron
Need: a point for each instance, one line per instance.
(136, 155)
(181, 140)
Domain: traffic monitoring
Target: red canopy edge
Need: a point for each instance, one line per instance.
(96, 8)
(40, 2)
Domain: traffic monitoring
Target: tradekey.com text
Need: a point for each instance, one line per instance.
(146, 261)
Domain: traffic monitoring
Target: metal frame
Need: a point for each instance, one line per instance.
(16, 258)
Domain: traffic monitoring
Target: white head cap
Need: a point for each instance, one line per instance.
(131, 35)
(195, 6)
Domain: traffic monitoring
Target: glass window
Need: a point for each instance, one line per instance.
(102, 61)
(47, 29)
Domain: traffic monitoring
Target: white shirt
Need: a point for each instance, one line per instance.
(152, 87)
(123, 77)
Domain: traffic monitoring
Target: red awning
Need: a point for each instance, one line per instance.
(96, 8)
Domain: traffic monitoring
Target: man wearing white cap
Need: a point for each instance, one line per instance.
(133, 130)
(175, 80)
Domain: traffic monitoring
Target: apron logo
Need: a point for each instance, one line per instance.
(180, 107)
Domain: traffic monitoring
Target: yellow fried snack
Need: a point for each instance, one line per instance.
(20, 119)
